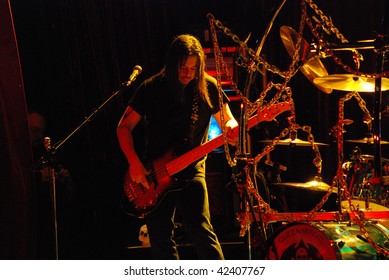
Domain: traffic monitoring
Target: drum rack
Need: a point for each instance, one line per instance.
(272, 217)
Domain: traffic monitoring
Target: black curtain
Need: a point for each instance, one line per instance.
(17, 234)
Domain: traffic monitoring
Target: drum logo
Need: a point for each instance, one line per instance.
(301, 242)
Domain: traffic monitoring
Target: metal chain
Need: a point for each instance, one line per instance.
(248, 64)
(253, 64)
(219, 60)
(358, 215)
(326, 48)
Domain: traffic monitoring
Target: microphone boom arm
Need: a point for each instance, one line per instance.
(137, 70)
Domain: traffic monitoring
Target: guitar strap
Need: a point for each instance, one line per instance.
(193, 118)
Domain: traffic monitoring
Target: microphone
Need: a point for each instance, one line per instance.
(47, 143)
(137, 70)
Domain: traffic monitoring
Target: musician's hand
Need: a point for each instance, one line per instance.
(138, 174)
(232, 132)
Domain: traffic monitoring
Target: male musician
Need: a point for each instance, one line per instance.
(176, 105)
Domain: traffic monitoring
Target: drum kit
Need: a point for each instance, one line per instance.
(347, 219)
(320, 221)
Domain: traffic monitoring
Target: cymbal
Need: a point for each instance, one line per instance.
(350, 82)
(367, 140)
(312, 66)
(311, 186)
(295, 142)
(360, 204)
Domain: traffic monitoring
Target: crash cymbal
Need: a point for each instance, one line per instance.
(312, 66)
(350, 82)
(311, 186)
(295, 142)
(367, 140)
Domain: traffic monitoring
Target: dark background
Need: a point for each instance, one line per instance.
(76, 53)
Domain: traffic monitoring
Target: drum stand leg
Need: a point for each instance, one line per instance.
(256, 241)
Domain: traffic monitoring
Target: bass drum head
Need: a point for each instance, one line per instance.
(301, 241)
(328, 241)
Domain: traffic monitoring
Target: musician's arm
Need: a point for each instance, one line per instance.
(229, 122)
(124, 131)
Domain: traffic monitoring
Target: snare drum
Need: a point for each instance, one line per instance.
(327, 241)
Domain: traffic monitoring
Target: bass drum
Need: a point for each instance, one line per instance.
(328, 241)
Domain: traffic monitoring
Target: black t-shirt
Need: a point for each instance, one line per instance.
(167, 119)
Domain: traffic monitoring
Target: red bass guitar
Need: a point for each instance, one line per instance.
(139, 201)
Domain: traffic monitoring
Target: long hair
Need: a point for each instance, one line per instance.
(181, 47)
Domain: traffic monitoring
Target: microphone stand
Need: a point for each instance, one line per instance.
(95, 111)
(51, 151)
(53, 189)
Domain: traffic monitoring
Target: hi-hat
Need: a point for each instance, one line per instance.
(295, 142)
(367, 140)
(350, 82)
(316, 186)
(312, 66)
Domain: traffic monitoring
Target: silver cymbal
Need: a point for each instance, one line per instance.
(366, 140)
(311, 186)
(295, 142)
(312, 66)
(350, 82)
(361, 205)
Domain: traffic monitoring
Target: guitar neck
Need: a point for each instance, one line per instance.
(182, 161)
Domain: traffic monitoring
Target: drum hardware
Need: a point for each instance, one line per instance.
(273, 216)
(312, 67)
(338, 132)
(339, 179)
(363, 186)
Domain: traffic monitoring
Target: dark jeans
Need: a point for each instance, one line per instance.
(192, 204)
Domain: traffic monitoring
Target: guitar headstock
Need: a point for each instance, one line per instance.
(269, 113)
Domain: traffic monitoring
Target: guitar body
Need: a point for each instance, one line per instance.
(139, 201)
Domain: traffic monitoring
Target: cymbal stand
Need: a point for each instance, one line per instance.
(243, 156)
(381, 46)
(243, 163)
(338, 130)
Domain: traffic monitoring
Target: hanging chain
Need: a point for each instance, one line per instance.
(358, 215)
(219, 61)
(325, 45)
